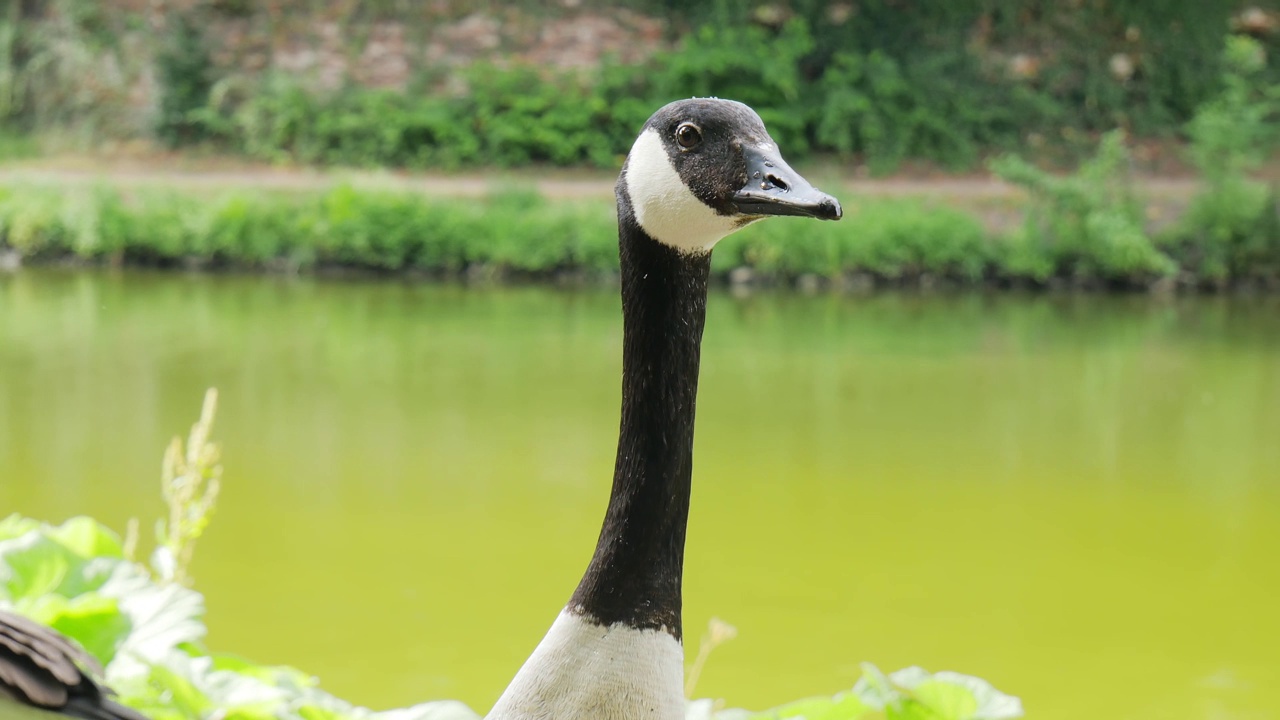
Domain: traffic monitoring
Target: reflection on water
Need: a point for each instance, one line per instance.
(1075, 497)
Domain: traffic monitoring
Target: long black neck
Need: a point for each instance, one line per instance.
(635, 575)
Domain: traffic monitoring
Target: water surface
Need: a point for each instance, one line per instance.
(1077, 498)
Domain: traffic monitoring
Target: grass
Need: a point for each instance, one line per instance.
(1077, 231)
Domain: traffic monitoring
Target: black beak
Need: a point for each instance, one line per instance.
(773, 188)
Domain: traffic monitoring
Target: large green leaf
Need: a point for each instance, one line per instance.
(706, 709)
(15, 525)
(436, 710)
(941, 689)
(844, 706)
(68, 560)
(88, 538)
(33, 566)
(93, 620)
(74, 578)
(164, 618)
(915, 694)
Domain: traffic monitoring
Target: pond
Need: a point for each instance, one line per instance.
(1075, 497)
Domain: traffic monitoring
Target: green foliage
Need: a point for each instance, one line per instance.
(184, 73)
(943, 84)
(518, 117)
(889, 110)
(189, 481)
(1232, 132)
(74, 577)
(1088, 225)
(147, 635)
(63, 69)
(510, 117)
(513, 230)
(1085, 228)
(362, 228)
(892, 239)
(908, 694)
(747, 63)
(1231, 231)
(868, 103)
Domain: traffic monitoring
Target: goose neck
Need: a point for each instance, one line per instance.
(635, 574)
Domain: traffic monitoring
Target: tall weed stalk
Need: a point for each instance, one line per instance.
(190, 481)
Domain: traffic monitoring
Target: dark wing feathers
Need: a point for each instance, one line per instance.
(43, 669)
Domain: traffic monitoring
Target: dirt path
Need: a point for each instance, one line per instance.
(556, 184)
(994, 202)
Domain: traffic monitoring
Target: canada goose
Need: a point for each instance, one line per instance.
(699, 170)
(43, 674)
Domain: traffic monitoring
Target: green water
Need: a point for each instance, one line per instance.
(1077, 498)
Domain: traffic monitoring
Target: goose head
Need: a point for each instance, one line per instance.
(705, 167)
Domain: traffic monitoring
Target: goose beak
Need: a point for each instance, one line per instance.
(773, 188)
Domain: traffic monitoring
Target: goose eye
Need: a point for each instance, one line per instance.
(688, 136)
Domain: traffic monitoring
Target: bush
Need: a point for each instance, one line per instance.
(359, 228)
(945, 85)
(64, 70)
(865, 103)
(184, 73)
(1086, 229)
(512, 230)
(1088, 225)
(891, 239)
(1231, 231)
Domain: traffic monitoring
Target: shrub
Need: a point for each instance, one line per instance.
(1232, 229)
(1088, 224)
(184, 73)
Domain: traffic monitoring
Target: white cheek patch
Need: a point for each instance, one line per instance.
(665, 207)
(582, 670)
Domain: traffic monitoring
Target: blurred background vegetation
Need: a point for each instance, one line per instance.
(1080, 104)
(450, 83)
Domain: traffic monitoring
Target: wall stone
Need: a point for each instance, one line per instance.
(328, 53)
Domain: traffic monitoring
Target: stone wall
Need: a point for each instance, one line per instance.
(328, 52)
(100, 78)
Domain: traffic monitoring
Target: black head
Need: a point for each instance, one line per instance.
(703, 168)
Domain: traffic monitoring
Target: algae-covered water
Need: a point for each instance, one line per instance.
(1075, 497)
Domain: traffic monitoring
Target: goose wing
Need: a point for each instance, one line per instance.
(43, 669)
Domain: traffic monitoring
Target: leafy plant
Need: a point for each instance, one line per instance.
(861, 79)
(1232, 228)
(63, 70)
(1088, 224)
(1086, 228)
(184, 72)
(1231, 133)
(908, 694)
(74, 577)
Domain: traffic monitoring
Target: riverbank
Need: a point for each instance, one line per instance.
(975, 230)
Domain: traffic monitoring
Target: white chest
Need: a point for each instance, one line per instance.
(585, 671)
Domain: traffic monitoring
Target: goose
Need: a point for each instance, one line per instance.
(44, 675)
(699, 170)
